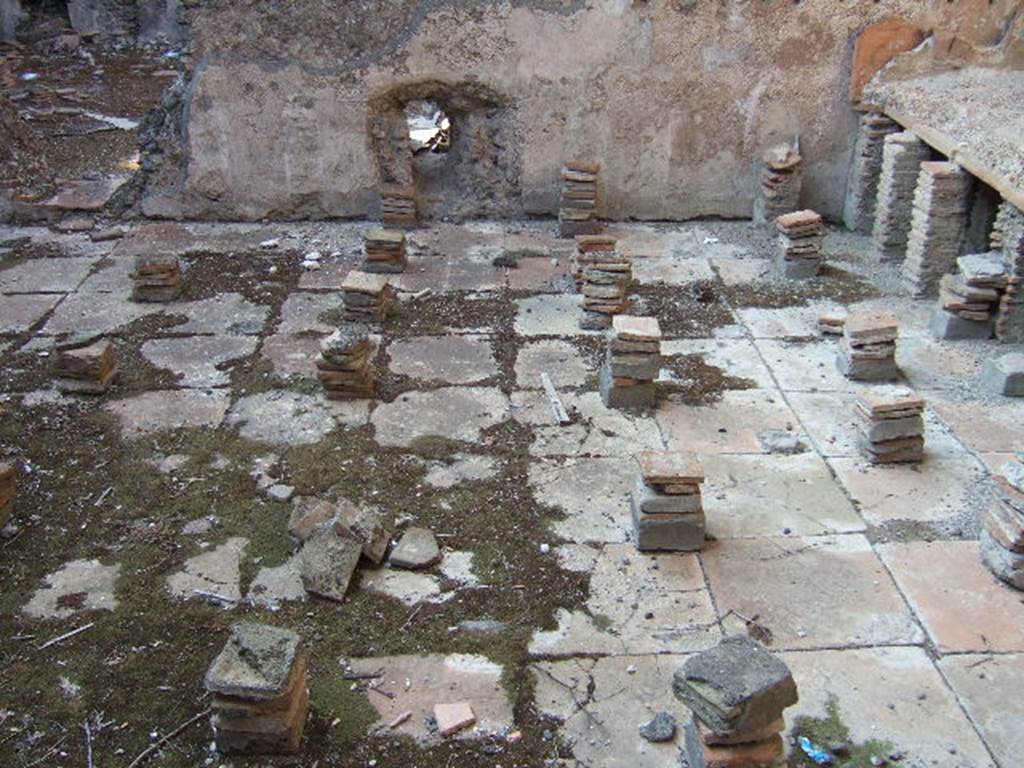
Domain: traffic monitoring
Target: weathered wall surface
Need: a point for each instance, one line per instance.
(10, 13)
(674, 98)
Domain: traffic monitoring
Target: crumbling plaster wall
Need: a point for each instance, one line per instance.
(674, 98)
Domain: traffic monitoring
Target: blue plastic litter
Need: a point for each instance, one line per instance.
(817, 755)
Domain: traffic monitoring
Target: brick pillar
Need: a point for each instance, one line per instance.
(936, 226)
(862, 186)
(902, 156)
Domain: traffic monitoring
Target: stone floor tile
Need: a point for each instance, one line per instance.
(291, 356)
(806, 367)
(150, 412)
(94, 582)
(409, 587)
(809, 592)
(97, 313)
(984, 427)
(540, 274)
(550, 315)
(671, 270)
(332, 273)
(460, 468)
(559, 359)
(892, 695)
(592, 492)
(828, 417)
(111, 275)
(730, 426)
(638, 604)
(437, 679)
(198, 361)
(735, 271)
(596, 430)
(301, 312)
(462, 359)
(928, 364)
(217, 572)
(282, 417)
(455, 413)
(58, 275)
(989, 688)
(994, 461)
(935, 490)
(225, 313)
(736, 357)
(799, 322)
(19, 313)
(752, 495)
(961, 604)
(601, 704)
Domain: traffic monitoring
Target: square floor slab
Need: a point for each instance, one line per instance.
(638, 604)
(989, 688)
(891, 695)
(806, 366)
(736, 357)
(557, 314)
(936, 489)
(558, 358)
(928, 364)
(592, 492)
(19, 313)
(984, 427)
(809, 592)
(462, 359)
(730, 426)
(800, 322)
(963, 607)
(601, 704)
(671, 270)
(45, 275)
(754, 495)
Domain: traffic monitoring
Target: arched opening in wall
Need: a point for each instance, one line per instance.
(456, 144)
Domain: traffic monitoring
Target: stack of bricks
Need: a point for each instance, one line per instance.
(156, 278)
(969, 299)
(1002, 526)
(781, 178)
(1010, 320)
(605, 277)
(85, 366)
(666, 504)
(384, 250)
(345, 364)
(801, 235)
(738, 692)
(260, 692)
(867, 351)
(8, 487)
(894, 205)
(632, 363)
(577, 214)
(890, 426)
(398, 206)
(863, 186)
(936, 226)
(367, 297)
(586, 248)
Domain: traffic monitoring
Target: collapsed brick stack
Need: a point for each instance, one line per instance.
(8, 487)
(85, 366)
(867, 351)
(156, 278)
(1002, 526)
(936, 226)
(969, 299)
(367, 297)
(398, 206)
(345, 364)
(738, 692)
(781, 178)
(863, 186)
(890, 426)
(606, 276)
(577, 213)
(260, 691)
(632, 363)
(1010, 320)
(801, 235)
(384, 250)
(666, 502)
(894, 205)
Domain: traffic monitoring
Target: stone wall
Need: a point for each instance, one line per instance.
(10, 13)
(674, 98)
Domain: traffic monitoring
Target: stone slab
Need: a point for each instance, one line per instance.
(198, 361)
(455, 413)
(58, 275)
(215, 572)
(151, 412)
(465, 359)
(94, 584)
(561, 360)
(282, 417)
(730, 426)
(592, 492)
